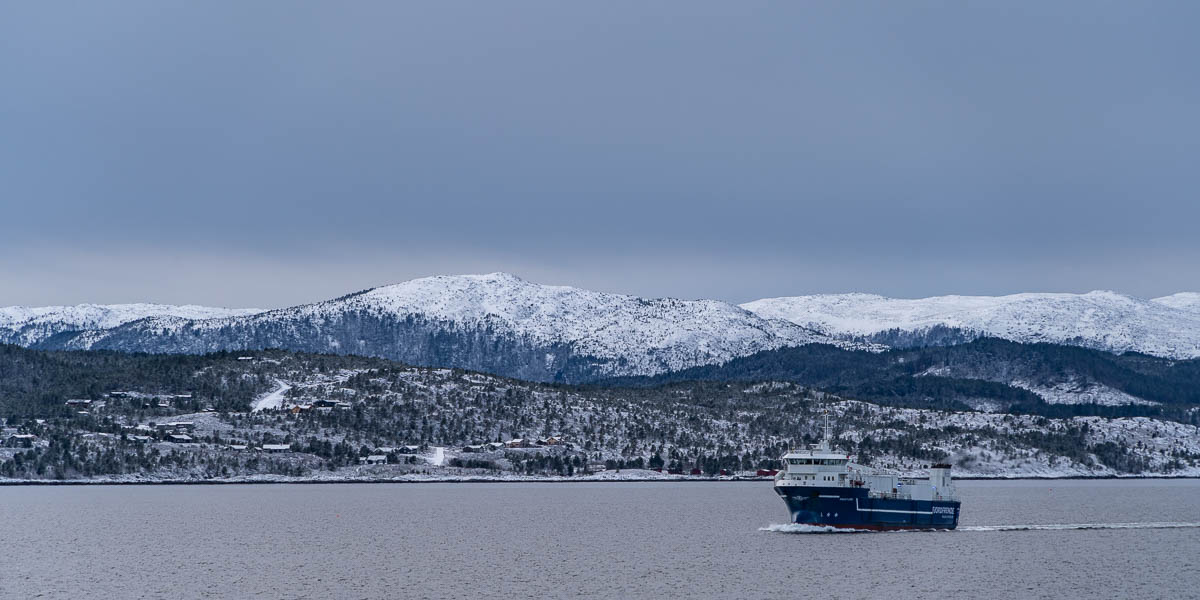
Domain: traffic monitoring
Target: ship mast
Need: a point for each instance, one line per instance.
(827, 440)
(828, 427)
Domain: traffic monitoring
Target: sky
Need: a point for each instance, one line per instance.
(273, 153)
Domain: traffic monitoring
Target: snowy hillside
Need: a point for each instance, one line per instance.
(320, 412)
(1189, 301)
(1168, 326)
(497, 323)
(26, 325)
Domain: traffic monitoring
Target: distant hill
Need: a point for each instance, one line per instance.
(496, 323)
(987, 374)
(32, 325)
(501, 324)
(113, 416)
(1168, 326)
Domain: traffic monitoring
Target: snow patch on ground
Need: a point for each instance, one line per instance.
(1076, 392)
(273, 399)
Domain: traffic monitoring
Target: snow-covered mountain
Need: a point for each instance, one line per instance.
(497, 323)
(501, 324)
(1168, 326)
(1189, 301)
(25, 325)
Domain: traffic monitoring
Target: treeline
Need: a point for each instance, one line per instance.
(704, 425)
(958, 377)
(37, 383)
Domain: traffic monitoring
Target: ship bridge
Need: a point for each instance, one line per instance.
(820, 465)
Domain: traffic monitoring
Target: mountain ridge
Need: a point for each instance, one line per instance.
(1103, 320)
(496, 322)
(26, 325)
(500, 323)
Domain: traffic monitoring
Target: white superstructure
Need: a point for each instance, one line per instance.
(820, 465)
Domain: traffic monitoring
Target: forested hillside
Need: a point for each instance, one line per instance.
(274, 414)
(988, 374)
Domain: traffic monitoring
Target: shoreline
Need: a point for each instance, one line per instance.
(87, 482)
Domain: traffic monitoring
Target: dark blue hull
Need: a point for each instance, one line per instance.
(852, 508)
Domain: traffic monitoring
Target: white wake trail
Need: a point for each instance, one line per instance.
(801, 528)
(798, 528)
(1068, 526)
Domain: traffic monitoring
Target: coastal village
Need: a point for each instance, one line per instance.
(290, 417)
(206, 432)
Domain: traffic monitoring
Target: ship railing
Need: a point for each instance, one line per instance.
(891, 495)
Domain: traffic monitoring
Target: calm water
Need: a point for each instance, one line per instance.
(602, 540)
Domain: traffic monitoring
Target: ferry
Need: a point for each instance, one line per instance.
(822, 487)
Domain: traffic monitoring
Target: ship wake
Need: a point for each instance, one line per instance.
(1068, 526)
(799, 528)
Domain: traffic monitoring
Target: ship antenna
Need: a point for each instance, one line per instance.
(828, 428)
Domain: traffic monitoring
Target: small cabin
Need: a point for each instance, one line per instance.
(21, 440)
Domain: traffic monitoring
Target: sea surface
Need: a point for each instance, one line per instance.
(1018, 539)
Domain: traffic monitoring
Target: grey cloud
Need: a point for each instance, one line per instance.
(283, 149)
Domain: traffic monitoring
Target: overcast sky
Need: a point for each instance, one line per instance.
(272, 153)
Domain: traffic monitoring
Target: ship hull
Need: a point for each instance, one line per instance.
(853, 508)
